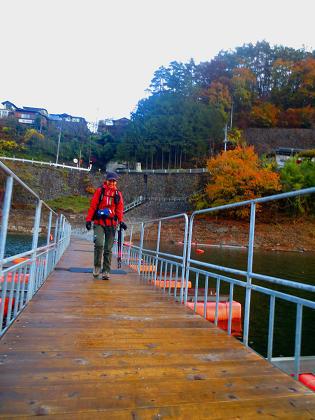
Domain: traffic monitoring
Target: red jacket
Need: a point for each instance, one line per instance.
(117, 210)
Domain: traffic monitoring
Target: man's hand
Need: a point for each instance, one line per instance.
(123, 225)
(88, 225)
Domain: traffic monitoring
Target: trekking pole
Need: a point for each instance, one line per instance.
(119, 248)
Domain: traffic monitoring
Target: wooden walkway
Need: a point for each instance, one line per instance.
(90, 349)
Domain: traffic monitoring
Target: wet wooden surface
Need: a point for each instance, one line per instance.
(93, 349)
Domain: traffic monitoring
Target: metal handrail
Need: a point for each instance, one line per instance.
(20, 281)
(164, 171)
(137, 202)
(152, 261)
(39, 162)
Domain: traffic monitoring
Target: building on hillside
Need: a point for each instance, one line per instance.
(282, 154)
(67, 118)
(4, 113)
(114, 127)
(70, 124)
(37, 117)
(9, 106)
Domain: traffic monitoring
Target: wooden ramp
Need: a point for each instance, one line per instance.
(91, 349)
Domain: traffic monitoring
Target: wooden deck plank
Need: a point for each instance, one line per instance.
(86, 348)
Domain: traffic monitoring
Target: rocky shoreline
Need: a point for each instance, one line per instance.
(287, 234)
(292, 235)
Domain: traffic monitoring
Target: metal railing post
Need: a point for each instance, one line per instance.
(32, 279)
(157, 251)
(298, 339)
(187, 265)
(271, 327)
(129, 250)
(185, 260)
(141, 247)
(5, 216)
(249, 272)
(47, 243)
(56, 240)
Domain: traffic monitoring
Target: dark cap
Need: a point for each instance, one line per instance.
(111, 175)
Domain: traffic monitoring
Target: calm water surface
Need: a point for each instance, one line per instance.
(299, 267)
(18, 243)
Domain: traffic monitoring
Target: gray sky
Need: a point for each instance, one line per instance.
(95, 58)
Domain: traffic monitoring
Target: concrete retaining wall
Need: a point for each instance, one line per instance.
(266, 140)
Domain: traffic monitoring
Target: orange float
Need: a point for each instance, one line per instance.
(199, 251)
(16, 278)
(6, 305)
(19, 260)
(223, 310)
(160, 283)
(145, 268)
(308, 379)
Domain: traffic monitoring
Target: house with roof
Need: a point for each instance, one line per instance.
(114, 127)
(39, 117)
(67, 118)
(26, 115)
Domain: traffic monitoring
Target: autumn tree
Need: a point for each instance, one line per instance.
(9, 147)
(237, 175)
(31, 136)
(264, 115)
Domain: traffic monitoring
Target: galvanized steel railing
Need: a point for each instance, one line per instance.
(150, 262)
(164, 270)
(41, 163)
(23, 274)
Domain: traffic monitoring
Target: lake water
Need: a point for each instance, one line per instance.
(18, 243)
(295, 266)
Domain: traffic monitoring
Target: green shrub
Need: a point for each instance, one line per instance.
(296, 176)
(307, 154)
(70, 203)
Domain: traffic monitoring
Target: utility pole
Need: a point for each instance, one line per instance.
(59, 136)
(225, 137)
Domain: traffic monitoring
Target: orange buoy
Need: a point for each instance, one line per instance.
(177, 284)
(308, 379)
(199, 251)
(16, 278)
(19, 260)
(144, 267)
(6, 305)
(223, 310)
(51, 237)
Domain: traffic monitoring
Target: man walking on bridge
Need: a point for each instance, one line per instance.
(106, 211)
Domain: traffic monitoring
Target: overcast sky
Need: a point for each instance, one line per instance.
(95, 58)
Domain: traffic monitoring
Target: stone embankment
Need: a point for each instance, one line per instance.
(283, 234)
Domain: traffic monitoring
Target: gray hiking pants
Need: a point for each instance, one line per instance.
(103, 243)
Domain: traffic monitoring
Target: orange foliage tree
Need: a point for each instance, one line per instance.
(297, 117)
(237, 175)
(264, 115)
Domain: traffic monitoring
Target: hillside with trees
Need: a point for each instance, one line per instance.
(181, 121)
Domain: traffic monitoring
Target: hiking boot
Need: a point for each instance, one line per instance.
(96, 271)
(105, 275)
